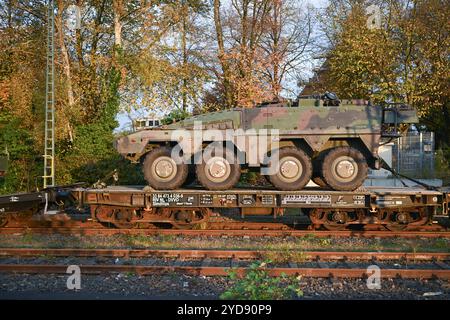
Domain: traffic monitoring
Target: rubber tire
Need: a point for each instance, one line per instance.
(176, 182)
(317, 177)
(304, 178)
(344, 151)
(234, 177)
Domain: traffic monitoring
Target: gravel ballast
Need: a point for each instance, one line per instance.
(178, 286)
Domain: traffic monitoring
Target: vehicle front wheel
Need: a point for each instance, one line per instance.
(162, 172)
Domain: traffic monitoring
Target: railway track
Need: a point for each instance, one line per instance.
(221, 271)
(222, 254)
(417, 265)
(431, 233)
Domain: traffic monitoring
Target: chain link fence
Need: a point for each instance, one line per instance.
(414, 155)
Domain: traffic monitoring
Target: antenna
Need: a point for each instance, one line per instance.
(49, 152)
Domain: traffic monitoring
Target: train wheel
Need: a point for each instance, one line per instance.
(219, 171)
(396, 227)
(344, 168)
(335, 227)
(329, 219)
(293, 171)
(337, 220)
(189, 218)
(124, 225)
(121, 218)
(400, 220)
(3, 220)
(162, 172)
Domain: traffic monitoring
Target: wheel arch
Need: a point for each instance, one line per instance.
(241, 154)
(356, 143)
(150, 146)
(298, 143)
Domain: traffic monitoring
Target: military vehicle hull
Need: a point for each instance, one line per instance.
(333, 145)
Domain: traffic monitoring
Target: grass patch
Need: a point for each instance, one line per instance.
(441, 243)
(257, 284)
(285, 247)
(27, 238)
(284, 256)
(324, 242)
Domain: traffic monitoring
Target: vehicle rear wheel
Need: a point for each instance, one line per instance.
(162, 172)
(293, 171)
(217, 173)
(344, 168)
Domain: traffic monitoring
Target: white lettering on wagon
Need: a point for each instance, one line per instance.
(306, 199)
(171, 199)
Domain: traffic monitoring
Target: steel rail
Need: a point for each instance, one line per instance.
(222, 271)
(219, 233)
(221, 254)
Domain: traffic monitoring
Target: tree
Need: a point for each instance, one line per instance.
(287, 44)
(90, 69)
(241, 61)
(170, 74)
(259, 44)
(406, 60)
(21, 91)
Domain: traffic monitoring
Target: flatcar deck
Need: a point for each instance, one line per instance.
(129, 206)
(369, 197)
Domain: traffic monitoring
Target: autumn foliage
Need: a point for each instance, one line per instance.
(136, 57)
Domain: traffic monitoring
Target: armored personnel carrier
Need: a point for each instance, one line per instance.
(319, 137)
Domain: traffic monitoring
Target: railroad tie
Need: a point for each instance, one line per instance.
(234, 263)
(152, 262)
(206, 262)
(178, 262)
(323, 265)
(442, 265)
(350, 265)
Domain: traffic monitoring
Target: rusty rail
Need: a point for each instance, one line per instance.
(221, 271)
(221, 254)
(442, 271)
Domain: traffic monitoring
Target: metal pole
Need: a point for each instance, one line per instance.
(421, 152)
(432, 154)
(49, 144)
(398, 158)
